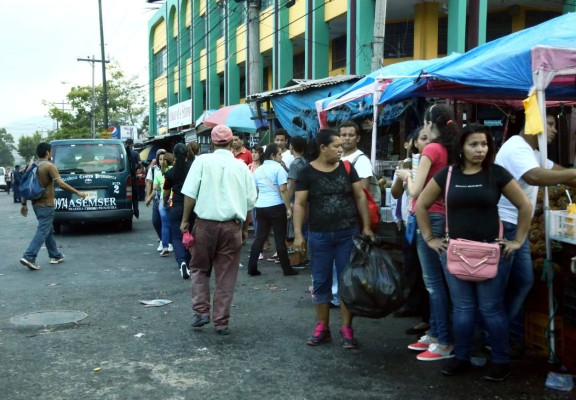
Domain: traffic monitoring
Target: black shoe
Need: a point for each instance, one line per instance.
(200, 320)
(255, 273)
(224, 331)
(498, 372)
(419, 329)
(456, 367)
(184, 271)
(291, 273)
(332, 305)
(516, 350)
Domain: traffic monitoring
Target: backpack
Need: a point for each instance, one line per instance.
(375, 190)
(373, 207)
(30, 187)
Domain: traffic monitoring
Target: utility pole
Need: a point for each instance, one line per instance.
(379, 30)
(103, 56)
(63, 103)
(254, 47)
(93, 99)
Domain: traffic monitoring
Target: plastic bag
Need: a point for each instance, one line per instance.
(371, 285)
(188, 240)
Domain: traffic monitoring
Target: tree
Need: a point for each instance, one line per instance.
(27, 146)
(126, 106)
(6, 147)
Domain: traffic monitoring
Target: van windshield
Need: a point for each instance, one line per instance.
(88, 158)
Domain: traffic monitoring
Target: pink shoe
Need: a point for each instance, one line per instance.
(422, 344)
(437, 352)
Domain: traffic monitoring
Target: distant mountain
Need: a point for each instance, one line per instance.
(28, 126)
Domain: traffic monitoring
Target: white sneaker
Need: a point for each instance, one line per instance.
(170, 248)
(436, 352)
(422, 344)
(159, 246)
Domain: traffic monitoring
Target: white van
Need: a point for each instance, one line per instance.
(3, 178)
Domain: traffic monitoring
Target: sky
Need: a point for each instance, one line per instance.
(41, 41)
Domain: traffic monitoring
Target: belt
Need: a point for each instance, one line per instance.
(235, 220)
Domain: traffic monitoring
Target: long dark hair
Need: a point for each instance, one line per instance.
(442, 117)
(459, 147)
(271, 150)
(180, 167)
(324, 137)
(414, 138)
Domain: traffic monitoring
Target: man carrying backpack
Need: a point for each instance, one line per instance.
(44, 209)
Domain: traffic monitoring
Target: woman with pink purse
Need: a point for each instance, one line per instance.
(475, 185)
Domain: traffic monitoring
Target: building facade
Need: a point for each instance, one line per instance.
(198, 49)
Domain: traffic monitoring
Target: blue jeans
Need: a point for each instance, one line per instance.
(326, 250)
(156, 220)
(520, 282)
(433, 274)
(487, 298)
(166, 234)
(175, 212)
(44, 235)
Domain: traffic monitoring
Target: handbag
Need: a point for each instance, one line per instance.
(470, 260)
(188, 240)
(373, 207)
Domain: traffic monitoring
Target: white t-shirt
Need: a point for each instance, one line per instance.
(287, 158)
(518, 157)
(363, 165)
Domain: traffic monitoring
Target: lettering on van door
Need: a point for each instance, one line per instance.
(94, 204)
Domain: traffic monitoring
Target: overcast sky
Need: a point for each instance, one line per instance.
(40, 42)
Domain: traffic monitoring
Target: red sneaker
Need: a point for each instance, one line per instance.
(321, 335)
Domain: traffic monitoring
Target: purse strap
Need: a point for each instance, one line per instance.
(500, 228)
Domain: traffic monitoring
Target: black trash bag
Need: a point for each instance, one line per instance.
(371, 285)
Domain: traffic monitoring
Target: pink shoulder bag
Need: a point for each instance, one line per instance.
(467, 259)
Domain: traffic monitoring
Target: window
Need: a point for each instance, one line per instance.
(498, 24)
(443, 36)
(298, 66)
(535, 17)
(399, 40)
(338, 53)
(160, 63)
(264, 4)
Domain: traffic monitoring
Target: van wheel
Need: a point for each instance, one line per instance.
(57, 227)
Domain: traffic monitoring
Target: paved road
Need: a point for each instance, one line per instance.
(107, 273)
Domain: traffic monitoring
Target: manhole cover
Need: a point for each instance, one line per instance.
(44, 318)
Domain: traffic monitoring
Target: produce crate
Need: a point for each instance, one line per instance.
(563, 226)
(537, 332)
(568, 355)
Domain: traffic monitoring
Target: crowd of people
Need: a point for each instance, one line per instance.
(312, 192)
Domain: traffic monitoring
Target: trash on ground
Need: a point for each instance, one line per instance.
(155, 302)
(139, 335)
(562, 382)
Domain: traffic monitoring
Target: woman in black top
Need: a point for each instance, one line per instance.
(475, 188)
(335, 200)
(173, 181)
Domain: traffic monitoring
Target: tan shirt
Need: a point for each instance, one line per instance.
(47, 174)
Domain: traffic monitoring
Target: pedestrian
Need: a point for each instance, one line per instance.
(135, 165)
(417, 301)
(281, 139)
(193, 150)
(257, 154)
(475, 185)
(272, 210)
(151, 198)
(173, 181)
(44, 209)
(164, 204)
(336, 203)
(520, 156)
(439, 124)
(8, 180)
(221, 190)
(16, 177)
(241, 152)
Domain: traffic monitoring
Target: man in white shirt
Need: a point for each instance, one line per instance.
(281, 139)
(221, 190)
(519, 155)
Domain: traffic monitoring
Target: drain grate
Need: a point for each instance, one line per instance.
(47, 318)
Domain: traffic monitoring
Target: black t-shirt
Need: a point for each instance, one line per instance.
(170, 183)
(473, 202)
(330, 198)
